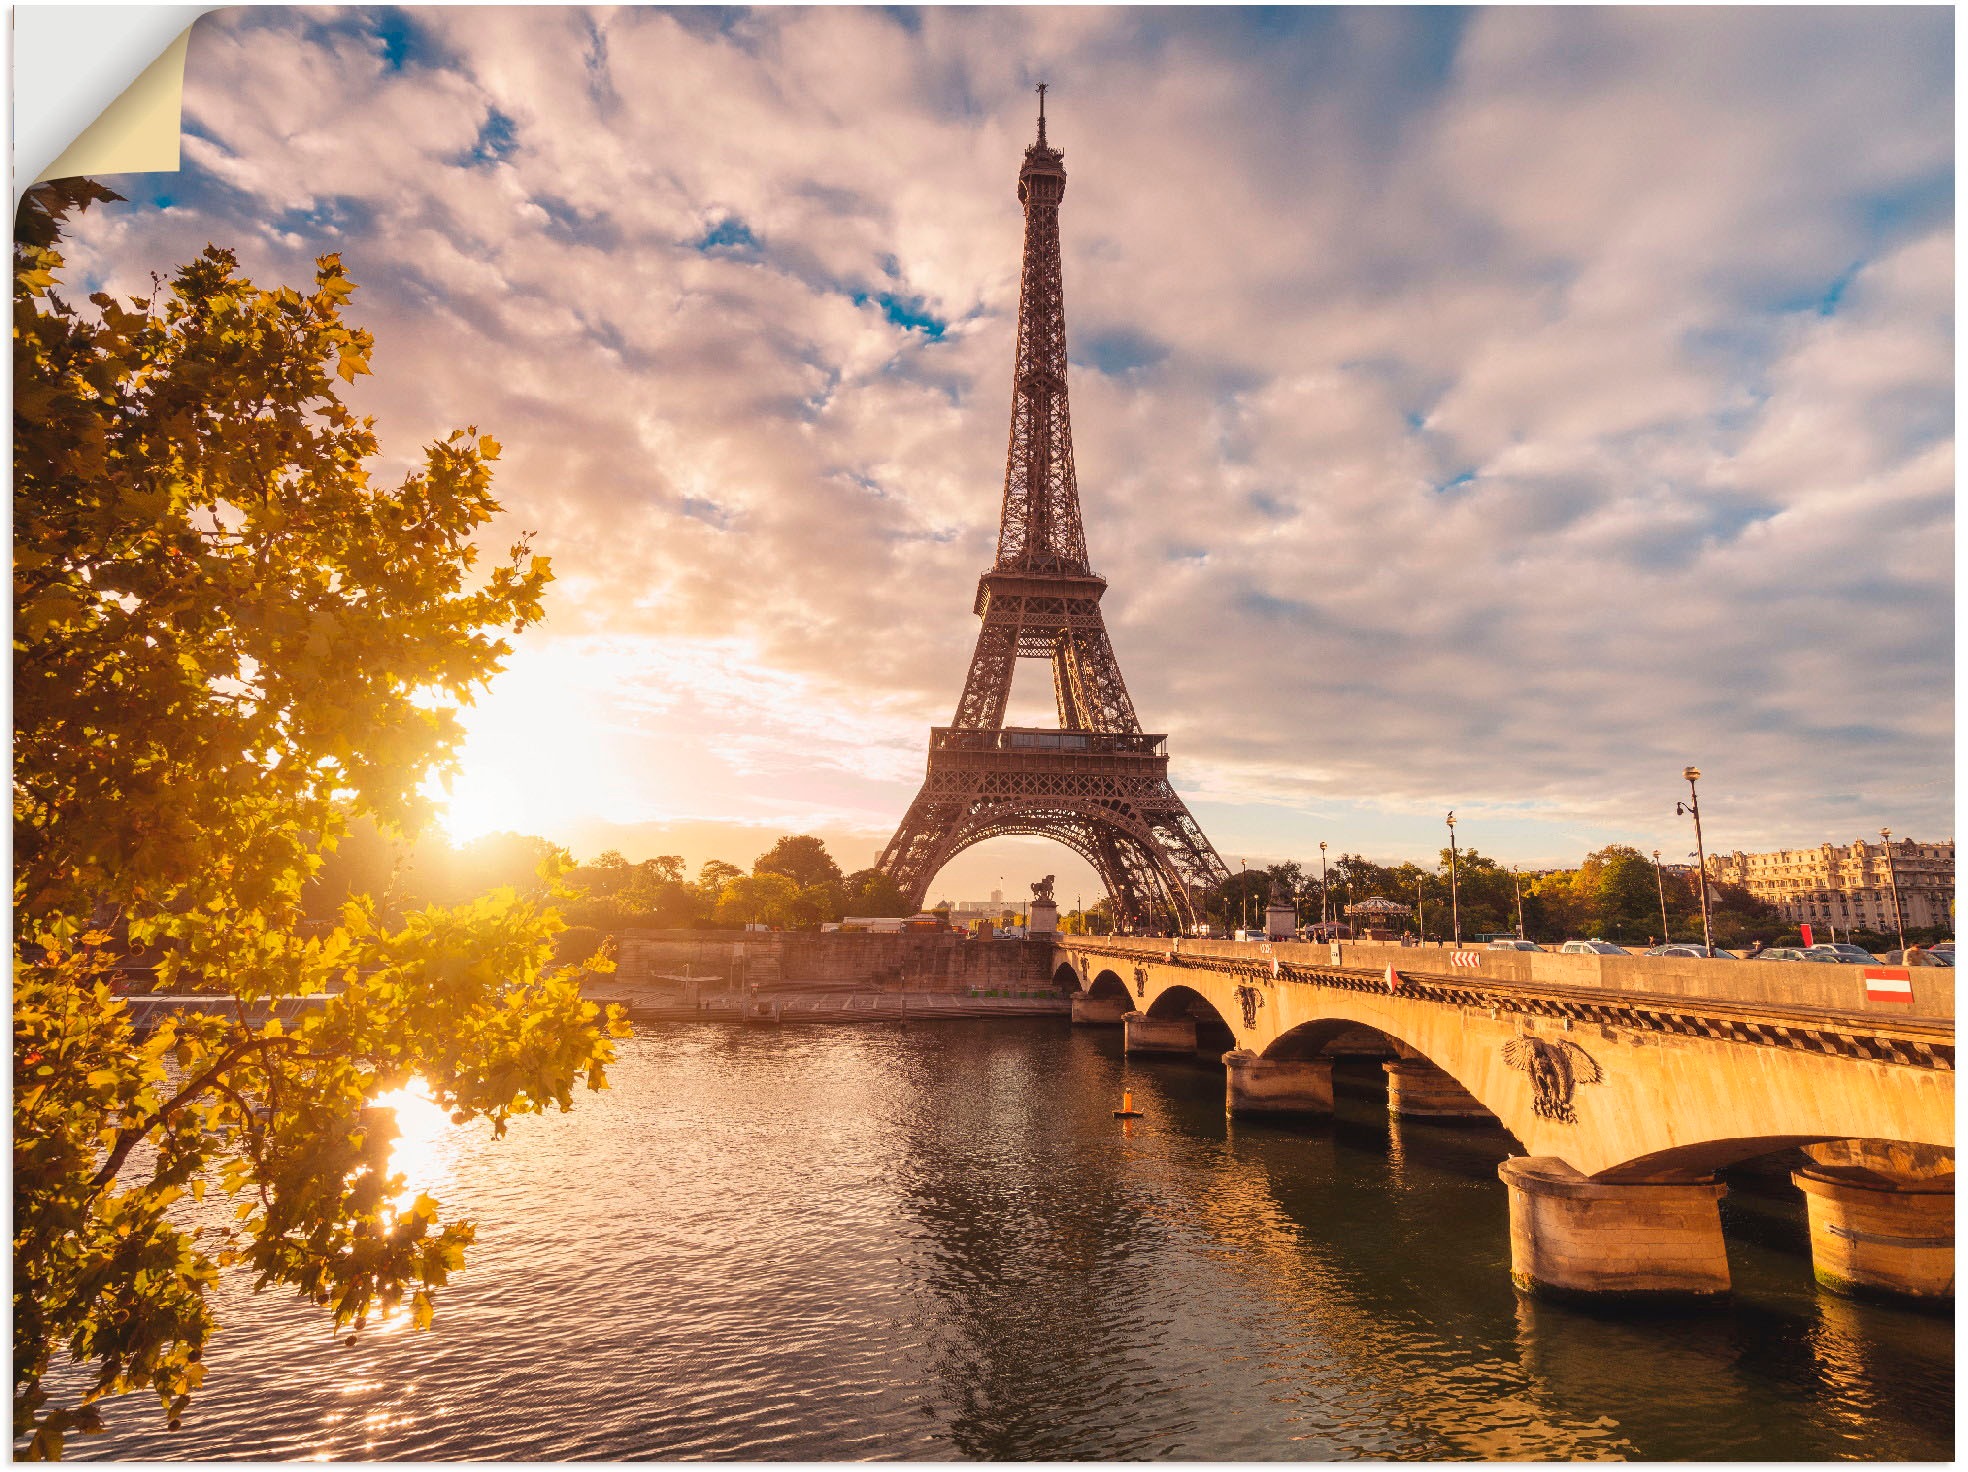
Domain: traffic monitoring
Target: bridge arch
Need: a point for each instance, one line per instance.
(1701, 1159)
(1107, 983)
(1182, 1001)
(1418, 1086)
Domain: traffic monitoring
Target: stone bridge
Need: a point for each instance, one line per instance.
(1628, 1082)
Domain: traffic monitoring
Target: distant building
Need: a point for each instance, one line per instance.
(965, 911)
(1849, 886)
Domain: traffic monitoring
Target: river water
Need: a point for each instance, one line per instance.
(934, 1241)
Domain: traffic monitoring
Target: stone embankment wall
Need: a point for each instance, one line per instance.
(918, 962)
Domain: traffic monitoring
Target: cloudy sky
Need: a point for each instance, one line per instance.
(1487, 409)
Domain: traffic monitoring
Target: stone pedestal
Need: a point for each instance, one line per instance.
(1886, 1239)
(1570, 1235)
(1417, 1089)
(1280, 921)
(1288, 1086)
(1104, 1011)
(1042, 918)
(1145, 1034)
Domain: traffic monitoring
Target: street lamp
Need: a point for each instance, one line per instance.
(1892, 873)
(1660, 884)
(1517, 889)
(1325, 903)
(1455, 907)
(1421, 920)
(1692, 807)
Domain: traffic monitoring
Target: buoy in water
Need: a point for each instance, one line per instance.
(1127, 1109)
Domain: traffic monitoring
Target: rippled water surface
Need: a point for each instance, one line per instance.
(935, 1241)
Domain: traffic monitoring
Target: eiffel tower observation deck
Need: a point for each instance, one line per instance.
(1097, 783)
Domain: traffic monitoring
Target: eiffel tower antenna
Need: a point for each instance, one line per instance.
(1098, 783)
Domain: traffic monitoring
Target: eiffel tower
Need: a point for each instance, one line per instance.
(1097, 784)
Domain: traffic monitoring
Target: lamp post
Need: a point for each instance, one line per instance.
(1455, 906)
(1660, 885)
(1421, 920)
(1243, 885)
(1692, 807)
(1893, 874)
(1517, 889)
(1325, 903)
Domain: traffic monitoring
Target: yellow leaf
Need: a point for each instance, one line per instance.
(488, 448)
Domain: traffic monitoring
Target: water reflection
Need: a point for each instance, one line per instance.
(936, 1241)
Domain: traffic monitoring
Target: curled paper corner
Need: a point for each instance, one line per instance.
(139, 132)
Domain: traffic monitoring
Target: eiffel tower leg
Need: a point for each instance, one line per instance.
(1065, 689)
(987, 688)
(918, 848)
(1095, 678)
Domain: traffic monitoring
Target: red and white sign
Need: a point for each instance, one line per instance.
(1805, 931)
(1466, 958)
(1888, 984)
(1393, 979)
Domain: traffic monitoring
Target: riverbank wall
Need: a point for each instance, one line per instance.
(770, 960)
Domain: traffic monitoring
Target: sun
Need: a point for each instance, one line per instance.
(535, 757)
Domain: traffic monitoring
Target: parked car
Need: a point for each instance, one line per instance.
(1938, 957)
(1515, 945)
(1592, 948)
(1779, 953)
(1689, 951)
(1844, 950)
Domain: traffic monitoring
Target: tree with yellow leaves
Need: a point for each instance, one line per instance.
(228, 643)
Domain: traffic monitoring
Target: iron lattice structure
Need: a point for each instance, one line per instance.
(1097, 784)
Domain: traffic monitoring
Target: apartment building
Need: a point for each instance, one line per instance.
(1849, 885)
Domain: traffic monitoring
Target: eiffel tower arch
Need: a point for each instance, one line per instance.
(1098, 783)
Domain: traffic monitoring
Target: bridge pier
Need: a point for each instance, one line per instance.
(1294, 1086)
(1579, 1236)
(1417, 1089)
(1144, 1034)
(1880, 1237)
(1103, 1011)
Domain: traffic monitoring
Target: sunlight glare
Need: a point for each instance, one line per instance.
(425, 1140)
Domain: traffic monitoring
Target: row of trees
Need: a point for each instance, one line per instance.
(795, 884)
(1615, 893)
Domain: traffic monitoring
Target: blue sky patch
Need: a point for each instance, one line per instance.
(497, 141)
(1120, 350)
(730, 233)
(910, 314)
(404, 42)
(708, 512)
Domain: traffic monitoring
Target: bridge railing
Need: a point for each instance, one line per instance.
(1834, 989)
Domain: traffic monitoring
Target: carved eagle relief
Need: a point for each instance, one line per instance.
(1556, 1070)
